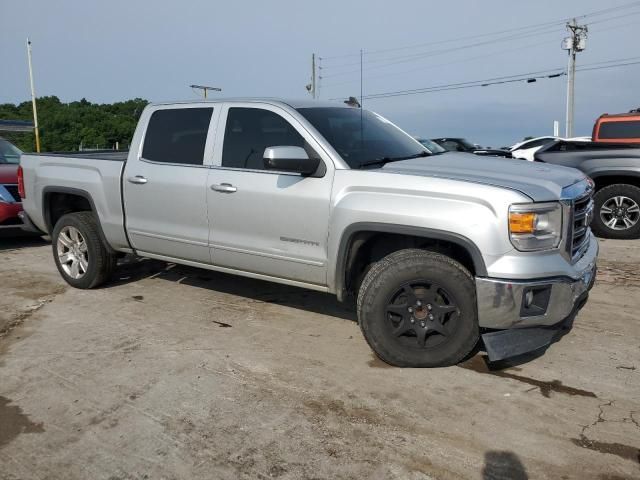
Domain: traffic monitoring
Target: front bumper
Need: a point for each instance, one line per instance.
(504, 303)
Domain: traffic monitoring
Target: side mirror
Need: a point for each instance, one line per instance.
(290, 159)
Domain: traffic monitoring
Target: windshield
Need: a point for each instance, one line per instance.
(432, 146)
(8, 152)
(361, 136)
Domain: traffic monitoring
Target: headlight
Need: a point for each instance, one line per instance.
(535, 226)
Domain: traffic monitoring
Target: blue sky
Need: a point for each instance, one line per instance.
(116, 50)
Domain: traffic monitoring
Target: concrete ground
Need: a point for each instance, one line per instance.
(172, 372)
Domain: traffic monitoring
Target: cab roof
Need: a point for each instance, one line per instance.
(293, 103)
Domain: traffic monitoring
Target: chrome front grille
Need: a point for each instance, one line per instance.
(582, 213)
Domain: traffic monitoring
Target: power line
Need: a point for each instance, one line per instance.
(432, 53)
(542, 74)
(518, 29)
(417, 56)
(607, 66)
(428, 53)
(555, 71)
(468, 59)
(460, 60)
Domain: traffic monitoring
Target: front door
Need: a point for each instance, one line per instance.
(262, 221)
(165, 188)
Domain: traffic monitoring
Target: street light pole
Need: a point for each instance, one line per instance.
(33, 99)
(205, 89)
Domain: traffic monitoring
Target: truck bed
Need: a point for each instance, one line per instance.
(96, 175)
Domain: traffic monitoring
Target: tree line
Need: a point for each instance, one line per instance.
(70, 126)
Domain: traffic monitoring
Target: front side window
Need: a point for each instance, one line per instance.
(177, 135)
(619, 130)
(361, 136)
(250, 131)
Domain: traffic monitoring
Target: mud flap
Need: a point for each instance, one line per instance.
(502, 344)
(518, 341)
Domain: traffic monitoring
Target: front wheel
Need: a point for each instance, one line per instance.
(617, 212)
(418, 309)
(82, 258)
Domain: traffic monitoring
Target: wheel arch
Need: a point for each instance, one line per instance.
(613, 177)
(59, 201)
(374, 240)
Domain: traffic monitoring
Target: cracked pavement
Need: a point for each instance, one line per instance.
(172, 372)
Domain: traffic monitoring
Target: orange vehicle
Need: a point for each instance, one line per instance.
(618, 128)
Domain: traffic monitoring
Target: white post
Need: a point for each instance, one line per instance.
(33, 98)
(556, 128)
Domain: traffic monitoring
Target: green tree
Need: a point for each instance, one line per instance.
(66, 126)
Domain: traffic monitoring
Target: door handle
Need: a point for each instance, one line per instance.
(138, 180)
(224, 188)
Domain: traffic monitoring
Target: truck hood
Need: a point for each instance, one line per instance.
(539, 181)
(8, 174)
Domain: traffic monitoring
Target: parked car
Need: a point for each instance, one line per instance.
(432, 146)
(463, 145)
(10, 203)
(615, 169)
(619, 128)
(526, 149)
(438, 250)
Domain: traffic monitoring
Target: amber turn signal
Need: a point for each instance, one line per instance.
(522, 222)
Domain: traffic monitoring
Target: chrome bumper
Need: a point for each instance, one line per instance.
(506, 304)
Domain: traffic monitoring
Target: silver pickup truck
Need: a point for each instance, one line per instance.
(437, 249)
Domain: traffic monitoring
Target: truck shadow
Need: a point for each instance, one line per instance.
(13, 240)
(133, 269)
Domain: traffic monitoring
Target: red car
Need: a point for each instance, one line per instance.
(10, 202)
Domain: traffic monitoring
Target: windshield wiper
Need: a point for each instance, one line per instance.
(384, 160)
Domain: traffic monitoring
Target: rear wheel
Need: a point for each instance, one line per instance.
(82, 258)
(617, 212)
(418, 309)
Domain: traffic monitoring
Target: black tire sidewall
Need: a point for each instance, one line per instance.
(600, 198)
(373, 318)
(95, 249)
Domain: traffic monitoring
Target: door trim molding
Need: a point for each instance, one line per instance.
(232, 271)
(314, 263)
(169, 238)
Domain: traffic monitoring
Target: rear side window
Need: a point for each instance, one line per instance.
(250, 131)
(619, 130)
(177, 135)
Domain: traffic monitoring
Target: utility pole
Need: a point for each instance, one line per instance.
(573, 44)
(361, 89)
(33, 98)
(311, 87)
(319, 82)
(205, 88)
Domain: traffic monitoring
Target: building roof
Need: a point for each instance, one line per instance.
(15, 126)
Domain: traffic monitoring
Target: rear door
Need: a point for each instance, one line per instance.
(263, 221)
(165, 184)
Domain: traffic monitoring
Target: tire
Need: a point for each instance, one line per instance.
(442, 296)
(70, 233)
(627, 220)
